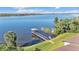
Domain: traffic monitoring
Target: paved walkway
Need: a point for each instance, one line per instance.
(74, 46)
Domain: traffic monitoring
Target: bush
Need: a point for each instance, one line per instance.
(37, 49)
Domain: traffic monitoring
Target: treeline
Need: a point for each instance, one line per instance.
(66, 25)
(18, 14)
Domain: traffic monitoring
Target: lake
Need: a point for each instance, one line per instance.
(22, 25)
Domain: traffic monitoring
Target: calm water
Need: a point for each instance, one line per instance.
(22, 25)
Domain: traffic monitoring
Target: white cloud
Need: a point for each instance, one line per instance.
(30, 10)
(67, 11)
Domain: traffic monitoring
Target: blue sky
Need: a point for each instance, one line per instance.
(38, 9)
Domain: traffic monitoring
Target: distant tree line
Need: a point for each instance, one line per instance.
(19, 14)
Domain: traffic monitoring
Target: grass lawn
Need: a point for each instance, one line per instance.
(47, 46)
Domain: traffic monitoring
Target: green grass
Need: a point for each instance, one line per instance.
(47, 46)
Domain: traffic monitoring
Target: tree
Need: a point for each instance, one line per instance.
(56, 26)
(10, 39)
(56, 20)
(76, 24)
(66, 25)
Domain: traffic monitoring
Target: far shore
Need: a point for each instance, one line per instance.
(29, 14)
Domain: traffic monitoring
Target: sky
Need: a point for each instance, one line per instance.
(37, 9)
